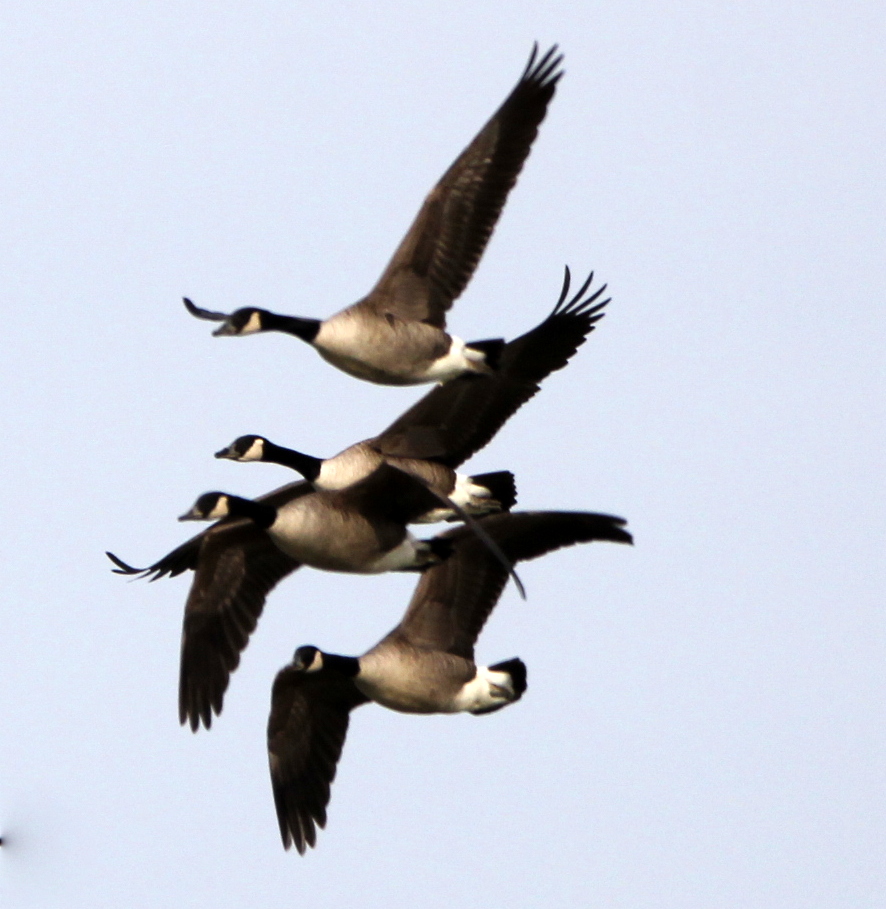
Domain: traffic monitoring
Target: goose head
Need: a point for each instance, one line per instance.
(246, 321)
(211, 506)
(308, 659)
(246, 448)
(215, 506)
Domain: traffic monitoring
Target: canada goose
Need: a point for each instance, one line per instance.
(454, 420)
(256, 543)
(360, 529)
(235, 565)
(478, 495)
(396, 335)
(425, 665)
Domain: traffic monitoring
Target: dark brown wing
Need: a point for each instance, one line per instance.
(306, 731)
(453, 600)
(238, 567)
(438, 255)
(181, 559)
(455, 420)
(391, 494)
(187, 555)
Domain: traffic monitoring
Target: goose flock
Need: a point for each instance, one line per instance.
(351, 512)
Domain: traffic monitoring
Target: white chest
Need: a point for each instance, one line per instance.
(348, 467)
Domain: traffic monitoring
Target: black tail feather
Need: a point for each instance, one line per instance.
(492, 349)
(516, 668)
(501, 486)
(441, 547)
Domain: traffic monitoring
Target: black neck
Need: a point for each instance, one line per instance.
(306, 329)
(306, 465)
(261, 514)
(347, 666)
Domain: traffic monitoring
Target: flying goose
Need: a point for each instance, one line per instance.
(396, 335)
(360, 529)
(454, 420)
(477, 495)
(425, 665)
(235, 567)
(256, 543)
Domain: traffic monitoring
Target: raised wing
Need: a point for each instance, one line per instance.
(306, 732)
(454, 599)
(438, 255)
(455, 420)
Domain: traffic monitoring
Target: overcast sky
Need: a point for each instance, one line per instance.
(704, 721)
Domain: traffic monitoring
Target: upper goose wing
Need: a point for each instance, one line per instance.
(235, 567)
(453, 600)
(306, 731)
(455, 420)
(438, 255)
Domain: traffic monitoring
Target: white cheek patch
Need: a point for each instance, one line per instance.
(255, 452)
(316, 663)
(252, 326)
(219, 510)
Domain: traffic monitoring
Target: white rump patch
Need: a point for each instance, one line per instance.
(409, 554)
(456, 361)
(473, 498)
(488, 688)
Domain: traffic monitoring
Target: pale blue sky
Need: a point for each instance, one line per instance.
(704, 721)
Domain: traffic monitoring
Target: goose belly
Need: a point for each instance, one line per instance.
(414, 682)
(339, 541)
(385, 352)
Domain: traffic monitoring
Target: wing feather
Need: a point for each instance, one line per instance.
(453, 600)
(438, 255)
(238, 567)
(455, 420)
(235, 567)
(307, 726)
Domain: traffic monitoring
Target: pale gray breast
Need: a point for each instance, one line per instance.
(368, 344)
(403, 677)
(349, 466)
(318, 531)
